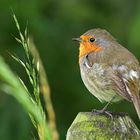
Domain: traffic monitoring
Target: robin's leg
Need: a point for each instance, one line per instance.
(105, 107)
(103, 110)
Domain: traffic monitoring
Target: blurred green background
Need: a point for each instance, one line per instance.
(53, 23)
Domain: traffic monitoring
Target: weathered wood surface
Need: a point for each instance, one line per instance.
(94, 126)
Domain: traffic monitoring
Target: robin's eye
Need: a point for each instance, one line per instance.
(92, 40)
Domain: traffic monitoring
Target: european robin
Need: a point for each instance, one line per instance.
(109, 71)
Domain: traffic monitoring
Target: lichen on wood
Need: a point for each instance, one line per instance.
(96, 126)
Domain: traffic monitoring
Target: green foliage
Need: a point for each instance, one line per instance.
(14, 86)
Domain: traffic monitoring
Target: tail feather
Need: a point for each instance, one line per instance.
(136, 102)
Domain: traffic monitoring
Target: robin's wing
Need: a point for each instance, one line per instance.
(128, 86)
(126, 82)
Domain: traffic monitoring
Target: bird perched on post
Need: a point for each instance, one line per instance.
(109, 71)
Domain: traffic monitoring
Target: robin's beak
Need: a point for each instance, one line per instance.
(77, 39)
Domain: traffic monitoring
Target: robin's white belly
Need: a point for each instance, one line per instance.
(97, 82)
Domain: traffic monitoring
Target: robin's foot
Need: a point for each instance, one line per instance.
(103, 112)
(109, 113)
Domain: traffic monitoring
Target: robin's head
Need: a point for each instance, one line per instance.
(94, 40)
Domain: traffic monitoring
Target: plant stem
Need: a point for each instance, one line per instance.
(45, 89)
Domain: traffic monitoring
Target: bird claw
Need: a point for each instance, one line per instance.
(109, 113)
(103, 112)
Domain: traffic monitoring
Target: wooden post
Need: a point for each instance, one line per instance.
(95, 126)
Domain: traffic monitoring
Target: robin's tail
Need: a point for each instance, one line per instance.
(136, 102)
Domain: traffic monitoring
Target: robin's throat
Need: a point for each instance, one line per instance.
(86, 48)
